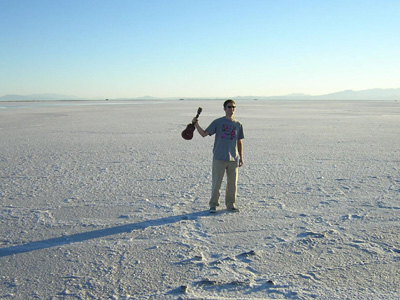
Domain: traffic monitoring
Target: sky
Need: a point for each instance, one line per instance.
(197, 48)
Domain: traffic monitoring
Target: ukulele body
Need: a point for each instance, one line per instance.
(187, 134)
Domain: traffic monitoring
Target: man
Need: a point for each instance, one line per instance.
(227, 155)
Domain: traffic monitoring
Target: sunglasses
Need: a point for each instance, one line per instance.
(229, 106)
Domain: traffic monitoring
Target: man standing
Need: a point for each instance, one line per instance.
(227, 155)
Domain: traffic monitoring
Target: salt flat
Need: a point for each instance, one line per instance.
(107, 201)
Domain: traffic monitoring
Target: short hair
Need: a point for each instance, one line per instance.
(228, 101)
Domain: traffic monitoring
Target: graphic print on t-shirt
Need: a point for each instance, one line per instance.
(228, 131)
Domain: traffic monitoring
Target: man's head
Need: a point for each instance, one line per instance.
(229, 107)
(229, 102)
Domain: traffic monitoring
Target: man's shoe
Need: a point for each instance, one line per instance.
(233, 209)
(213, 210)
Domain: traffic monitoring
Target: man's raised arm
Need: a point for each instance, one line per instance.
(201, 131)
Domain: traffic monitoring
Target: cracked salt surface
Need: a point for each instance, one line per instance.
(109, 202)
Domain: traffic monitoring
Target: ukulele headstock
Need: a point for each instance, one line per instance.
(199, 112)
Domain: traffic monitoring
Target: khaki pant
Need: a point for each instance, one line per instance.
(218, 170)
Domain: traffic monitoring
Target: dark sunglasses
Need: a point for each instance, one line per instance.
(229, 106)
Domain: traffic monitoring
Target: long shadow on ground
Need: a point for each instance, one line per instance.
(84, 236)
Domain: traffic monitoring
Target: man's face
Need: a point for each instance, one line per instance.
(230, 108)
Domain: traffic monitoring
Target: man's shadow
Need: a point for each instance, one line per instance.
(84, 236)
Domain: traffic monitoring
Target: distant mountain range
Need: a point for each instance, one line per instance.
(37, 97)
(371, 94)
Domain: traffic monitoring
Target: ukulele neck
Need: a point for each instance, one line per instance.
(198, 113)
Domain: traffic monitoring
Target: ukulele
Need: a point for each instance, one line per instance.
(187, 134)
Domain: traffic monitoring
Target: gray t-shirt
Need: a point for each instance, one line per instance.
(227, 133)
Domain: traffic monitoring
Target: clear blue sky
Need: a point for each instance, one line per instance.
(197, 48)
